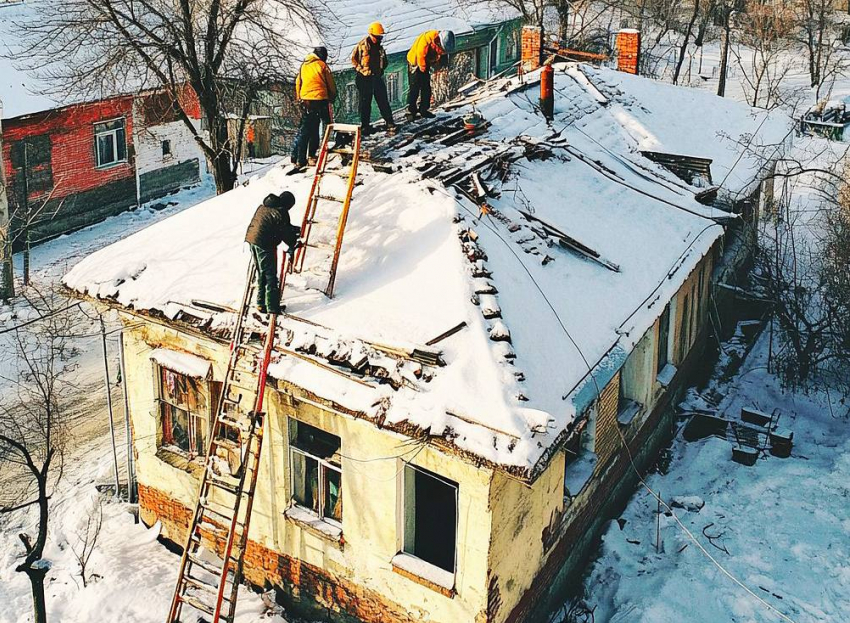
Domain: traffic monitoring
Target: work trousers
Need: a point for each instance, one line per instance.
(268, 288)
(368, 87)
(313, 113)
(420, 90)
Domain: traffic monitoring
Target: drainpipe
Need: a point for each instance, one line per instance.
(547, 91)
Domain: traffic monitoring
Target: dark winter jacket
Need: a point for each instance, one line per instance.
(270, 227)
(369, 58)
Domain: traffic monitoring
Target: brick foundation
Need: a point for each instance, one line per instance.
(628, 51)
(302, 588)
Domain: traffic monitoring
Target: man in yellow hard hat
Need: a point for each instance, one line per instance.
(370, 60)
(315, 90)
(429, 50)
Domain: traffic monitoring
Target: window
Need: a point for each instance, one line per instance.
(110, 142)
(700, 303)
(512, 45)
(663, 339)
(685, 330)
(166, 148)
(184, 412)
(580, 456)
(494, 57)
(316, 470)
(430, 517)
(393, 91)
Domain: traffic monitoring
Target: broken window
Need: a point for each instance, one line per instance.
(580, 457)
(663, 339)
(184, 412)
(110, 142)
(166, 148)
(316, 470)
(430, 517)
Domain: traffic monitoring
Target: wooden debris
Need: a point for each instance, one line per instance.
(446, 334)
(571, 243)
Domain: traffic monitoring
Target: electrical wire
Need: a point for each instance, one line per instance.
(630, 456)
(40, 318)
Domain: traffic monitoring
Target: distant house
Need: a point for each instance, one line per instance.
(446, 439)
(487, 44)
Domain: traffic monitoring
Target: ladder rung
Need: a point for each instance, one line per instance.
(221, 484)
(342, 150)
(232, 422)
(197, 604)
(201, 585)
(206, 565)
(343, 173)
(345, 128)
(227, 443)
(219, 514)
(315, 222)
(330, 198)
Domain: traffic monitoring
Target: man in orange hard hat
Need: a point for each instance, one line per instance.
(370, 60)
(429, 50)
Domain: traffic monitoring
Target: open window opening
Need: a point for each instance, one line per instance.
(430, 517)
(316, 469)
(580, 457)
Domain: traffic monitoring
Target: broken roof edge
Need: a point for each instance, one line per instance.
(405, 428)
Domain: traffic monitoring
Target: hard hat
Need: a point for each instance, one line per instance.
(376, 29)
(447, 39)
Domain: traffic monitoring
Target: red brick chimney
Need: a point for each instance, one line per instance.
(531, 42)
(628, 50)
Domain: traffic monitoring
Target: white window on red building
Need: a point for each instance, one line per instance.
(110, 142)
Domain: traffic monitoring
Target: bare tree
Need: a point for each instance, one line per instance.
(87, 540)
(764, 30)
(33, 427)
(219, 48)
(819, 32)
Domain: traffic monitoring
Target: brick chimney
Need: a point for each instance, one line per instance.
(628, 50)
(531, 42)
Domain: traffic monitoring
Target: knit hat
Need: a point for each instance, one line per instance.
(322, 52)
(283, 201)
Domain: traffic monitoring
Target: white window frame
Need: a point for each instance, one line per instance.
(114, 134)
(323, 465)
(404, 511)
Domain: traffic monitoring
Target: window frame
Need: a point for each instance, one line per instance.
(404, 510)
(191, 425)
(663, 345)
(114, 135)
(323, 466)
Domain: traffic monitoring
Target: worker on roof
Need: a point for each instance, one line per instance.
(430, 49)
(269, 227)
(370, 60)
(315, 90)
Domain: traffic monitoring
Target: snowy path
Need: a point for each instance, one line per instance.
(784, 522)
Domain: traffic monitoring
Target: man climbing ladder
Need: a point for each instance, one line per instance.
(211, 568)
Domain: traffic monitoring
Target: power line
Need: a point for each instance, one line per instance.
(632, 463)
(42, 317)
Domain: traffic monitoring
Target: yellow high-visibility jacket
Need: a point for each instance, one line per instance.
(426, 50)
(314, 80)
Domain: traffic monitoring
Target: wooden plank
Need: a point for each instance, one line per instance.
(571, 243)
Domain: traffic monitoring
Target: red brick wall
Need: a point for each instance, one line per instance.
(71, 131)
(530, 47)
(628, 51)
(304, 588)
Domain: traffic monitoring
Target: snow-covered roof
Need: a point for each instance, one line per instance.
(417, 261)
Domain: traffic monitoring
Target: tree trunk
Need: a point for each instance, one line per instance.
(683, 50)
(39, 607)
(563, 8)
(222, 162)
(724, 56)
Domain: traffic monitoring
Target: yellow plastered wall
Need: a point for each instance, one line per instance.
(521, 513)
(371, 489)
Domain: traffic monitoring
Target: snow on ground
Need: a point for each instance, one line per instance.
(131, 575)
(784, 522)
